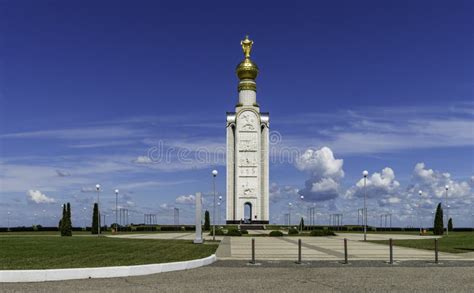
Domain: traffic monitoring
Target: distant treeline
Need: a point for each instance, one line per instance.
(169, 228)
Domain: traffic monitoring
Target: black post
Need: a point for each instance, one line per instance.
(436, 250)
(391, 251)
(299, 251)
(253, 251)
(345, 251)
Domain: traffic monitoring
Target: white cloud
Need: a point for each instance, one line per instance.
(96, 132)
(38, 197)
(88, 189)
(385, 130)
(326, 184)
(382, 186)
(186, 199)
(278, 192)
(384, 180)
(165, 206)
(325, 173)
(433, 183)
(426, 175)
(143, 160)
(321, 162)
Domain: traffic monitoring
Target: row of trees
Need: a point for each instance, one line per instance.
(65, 224)
(438, 227)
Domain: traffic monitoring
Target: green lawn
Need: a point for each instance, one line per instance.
(46, 252)
(456, 242)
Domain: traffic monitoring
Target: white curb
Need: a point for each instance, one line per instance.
(103, 272)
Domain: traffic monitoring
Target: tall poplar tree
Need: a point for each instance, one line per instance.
(207, 221)
(95, 220)
(438, 226)
(63, 221)
(68, 221)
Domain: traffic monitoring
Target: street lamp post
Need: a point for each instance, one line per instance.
(219, 210)
(447, 211)
(365, 174)
(116, 210)
(301, 224)
(419, 211)
(85, 218)
(97, 187)
(8, 221)
(289, 215)
(214, 174)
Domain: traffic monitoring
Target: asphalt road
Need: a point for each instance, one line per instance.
(277, 277)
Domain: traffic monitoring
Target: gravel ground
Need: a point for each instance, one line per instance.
(239, 276)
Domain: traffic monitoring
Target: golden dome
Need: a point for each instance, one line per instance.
(247, 69)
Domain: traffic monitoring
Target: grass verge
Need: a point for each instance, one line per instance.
(46, 252)
(456, 242)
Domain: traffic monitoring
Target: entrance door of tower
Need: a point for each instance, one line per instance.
(248, 212)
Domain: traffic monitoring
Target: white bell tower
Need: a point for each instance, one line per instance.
(247, 150)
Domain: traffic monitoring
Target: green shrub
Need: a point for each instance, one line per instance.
(276, 233)
(244, 232)
(293, 231)
(234, 232)
(219, 232)
(322, 233)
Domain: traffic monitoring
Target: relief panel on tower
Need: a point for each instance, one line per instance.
(248, 121)
(248, 188)
(248, 154)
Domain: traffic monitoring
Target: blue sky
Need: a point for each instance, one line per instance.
(88, 90)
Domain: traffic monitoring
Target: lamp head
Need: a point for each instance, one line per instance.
(97, 186)
(302, 197)
(214, 173)
(365, 173)
(116, 191)
(447, 187)
(420, 192)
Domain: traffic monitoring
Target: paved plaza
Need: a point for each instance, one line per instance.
(313, 248)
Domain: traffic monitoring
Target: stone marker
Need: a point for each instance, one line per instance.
(198, 238)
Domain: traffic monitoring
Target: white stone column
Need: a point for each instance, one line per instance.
(230, 170)
(265, 173)
(198, 238)
(247, 98)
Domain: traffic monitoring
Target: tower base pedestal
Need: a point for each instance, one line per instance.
(232, 222)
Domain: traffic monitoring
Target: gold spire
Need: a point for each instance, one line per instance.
(247, 70)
